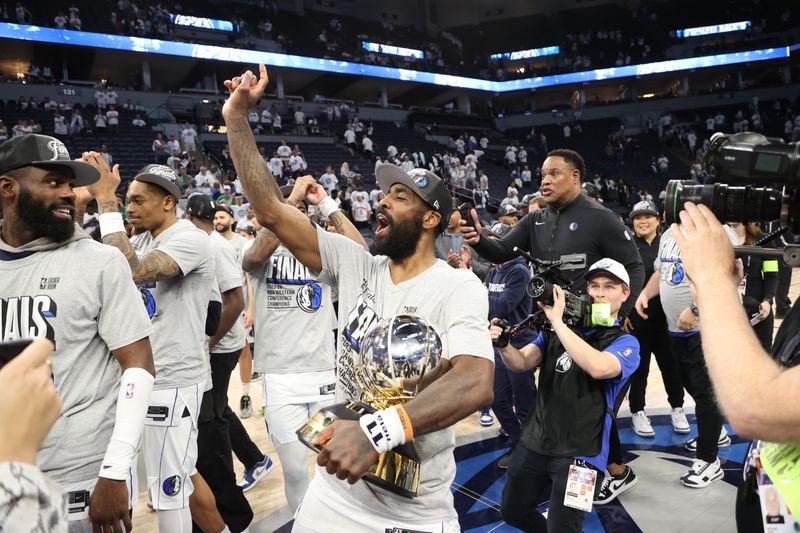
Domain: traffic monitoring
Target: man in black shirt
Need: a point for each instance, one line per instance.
(571, 223)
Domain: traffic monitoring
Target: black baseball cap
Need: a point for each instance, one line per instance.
(644, 208)
(201, 206)
(44, 151)
(499, 230)
(422, 182)
(223, 207)
(507, 210)
(160, 175)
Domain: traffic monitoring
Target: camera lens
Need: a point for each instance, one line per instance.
(540, 290)
(729, 204)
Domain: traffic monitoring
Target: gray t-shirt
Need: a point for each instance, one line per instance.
(673, 284)
(178, 306)
(80, 295)
(229, 276)
(456, 304)
(289, 305)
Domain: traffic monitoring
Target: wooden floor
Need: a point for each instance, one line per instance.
(267, 498)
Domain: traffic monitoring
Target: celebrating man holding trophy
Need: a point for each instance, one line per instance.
(391, 377)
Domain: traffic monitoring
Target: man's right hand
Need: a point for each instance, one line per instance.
(300, 189)
(245, 92)
(641, 304)
(453, 259)
(472, 234)
(104, 190)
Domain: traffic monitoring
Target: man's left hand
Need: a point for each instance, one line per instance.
(687, 320)
(706, 250)
(555, 313)
(109, 506)
(104, 189)
(346, 450)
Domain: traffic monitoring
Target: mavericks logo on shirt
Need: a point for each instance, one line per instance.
(564, 363)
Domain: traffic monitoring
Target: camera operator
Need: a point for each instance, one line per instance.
(572, 223)
(758, 396)
(581, 384)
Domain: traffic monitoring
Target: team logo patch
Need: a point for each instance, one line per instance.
(172, 485)
(58, 149)
(625, 353)
(129, 391)
(676, 273)
(564, 363)
(309, 297)
(148, 300)
(573, 226)
(419, 178)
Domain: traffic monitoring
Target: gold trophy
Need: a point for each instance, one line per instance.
(395, 355)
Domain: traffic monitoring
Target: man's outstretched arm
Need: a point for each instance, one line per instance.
(287, 223)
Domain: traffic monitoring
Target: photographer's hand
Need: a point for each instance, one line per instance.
(555, 313)
(706, 250)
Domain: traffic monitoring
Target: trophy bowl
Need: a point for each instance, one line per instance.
(395, 355)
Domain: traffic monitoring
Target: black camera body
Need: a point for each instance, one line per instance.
(744, 158)
(577, 310)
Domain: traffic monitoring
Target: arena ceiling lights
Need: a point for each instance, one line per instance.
(237, 55)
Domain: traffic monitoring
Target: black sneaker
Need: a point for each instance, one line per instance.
(613, 486)
(245, 407)
(502, 464)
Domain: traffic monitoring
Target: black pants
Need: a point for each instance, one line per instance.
(530, 477)
(222, 364)
(215, 464)
(514, 395)
(782, 302)
(764, 331)
(689, 354)
(654, 339)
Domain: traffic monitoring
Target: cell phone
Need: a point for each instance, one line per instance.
(466, 213)
(10, 349)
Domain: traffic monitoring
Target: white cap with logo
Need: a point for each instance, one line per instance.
(608, 266)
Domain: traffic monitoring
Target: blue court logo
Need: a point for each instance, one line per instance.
(309, 297)
(172, 485)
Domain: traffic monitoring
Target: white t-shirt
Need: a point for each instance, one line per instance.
(456, 305)
(295, 163)
(101, 98)
(366, 142)
(188, 136)
(328, 181)
(284, 151)
(113, 117)
(361, 211)
(276, 166)
(111, 97)
(349, 136)
(100, 121)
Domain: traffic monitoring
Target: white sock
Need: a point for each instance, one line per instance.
(175, 520)
(246, 389)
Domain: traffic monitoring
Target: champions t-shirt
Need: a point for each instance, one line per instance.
(626, 350)
(178, 306)
(455, 303)
(80, 295)
(228, 271)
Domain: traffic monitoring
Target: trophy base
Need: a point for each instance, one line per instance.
(396, 470)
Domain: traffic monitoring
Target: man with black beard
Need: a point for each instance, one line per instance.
(89, 314)
(409, 280)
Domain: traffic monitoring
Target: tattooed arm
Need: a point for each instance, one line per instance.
(262, 248)
(286, 222)
(315, 193)
(155, 266)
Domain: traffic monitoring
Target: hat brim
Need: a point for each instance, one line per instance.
(643, 212)
(592, 273)
(162, 182)
(85, 174)
(388, 174)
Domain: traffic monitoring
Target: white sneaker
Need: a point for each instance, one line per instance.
(679, 422)
(702, 474)
(723, 442)
(641, 425)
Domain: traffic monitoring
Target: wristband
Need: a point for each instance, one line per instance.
(111, 223)
(327, 207)
(408, 429)
(384, 429)
(132, 401)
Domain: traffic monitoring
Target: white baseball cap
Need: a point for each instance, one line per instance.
(608, 266)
